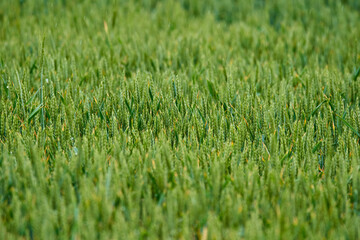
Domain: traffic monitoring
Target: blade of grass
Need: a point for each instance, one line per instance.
(151, 95)
(348, 124)
(202, 117)
(317, 108)
(33, 114)
(175, 90)
(21, 93)
(41, 82)
(128, 107)
(356, 74)
(212, 90)
(316, 147)
(33, 97)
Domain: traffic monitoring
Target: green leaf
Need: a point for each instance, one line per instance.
(128, 107)
(151, 95)
(348, 124)
(62, 99)
(356, 74)
(175, 91)
(158, 106)
(202, 117)
(33, 97)
(317, 108)
(212, 90)
(100, 111)
(316, 147)
(33, 114)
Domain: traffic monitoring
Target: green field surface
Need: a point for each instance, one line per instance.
(189, 119)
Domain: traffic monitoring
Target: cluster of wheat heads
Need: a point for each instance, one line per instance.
(179, 119)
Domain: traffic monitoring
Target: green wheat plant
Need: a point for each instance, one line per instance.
(147, 119)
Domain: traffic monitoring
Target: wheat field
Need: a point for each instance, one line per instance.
(188, 119)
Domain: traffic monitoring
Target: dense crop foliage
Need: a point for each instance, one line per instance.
(180, 119)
